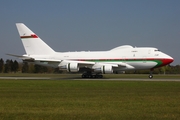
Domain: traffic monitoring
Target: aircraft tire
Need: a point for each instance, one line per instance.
(150, 76)
(83, 76)
(91, 76)
(99, 76)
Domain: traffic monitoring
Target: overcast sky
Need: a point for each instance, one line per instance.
(78, 25)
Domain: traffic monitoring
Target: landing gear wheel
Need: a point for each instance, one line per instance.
(150, 76)
(83, 76)
(100, 76)
(90, 75)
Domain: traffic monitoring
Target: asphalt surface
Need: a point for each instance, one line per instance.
(109, 79)
(25, 78)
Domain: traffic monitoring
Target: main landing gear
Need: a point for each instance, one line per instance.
(90, 75)
(151, 75)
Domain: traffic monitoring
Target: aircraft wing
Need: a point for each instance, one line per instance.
(92, 65)
(63, 63)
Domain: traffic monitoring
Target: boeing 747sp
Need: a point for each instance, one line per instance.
(95, 63)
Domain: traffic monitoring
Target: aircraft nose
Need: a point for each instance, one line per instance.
(167, 60)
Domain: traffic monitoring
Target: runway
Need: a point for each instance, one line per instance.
(25, 78)
(106, 79)
(131, 79)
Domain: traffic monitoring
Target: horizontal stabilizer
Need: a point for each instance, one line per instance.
(21, 56)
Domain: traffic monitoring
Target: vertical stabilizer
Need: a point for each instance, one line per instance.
(33, 45)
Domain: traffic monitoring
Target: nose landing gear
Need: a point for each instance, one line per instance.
(151, 75)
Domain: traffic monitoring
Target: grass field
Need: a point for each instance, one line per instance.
(73, 99)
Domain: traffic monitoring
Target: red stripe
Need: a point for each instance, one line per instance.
(134, 59)
(166, 62)
(32, 36)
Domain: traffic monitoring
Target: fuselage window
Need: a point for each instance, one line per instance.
(156, 50)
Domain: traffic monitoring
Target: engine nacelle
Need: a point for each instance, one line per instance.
(72, 67)
(105, 69)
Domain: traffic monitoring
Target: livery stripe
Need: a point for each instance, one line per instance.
(160, 62)
(31, 36)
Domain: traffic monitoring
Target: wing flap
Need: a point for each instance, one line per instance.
(80, 63)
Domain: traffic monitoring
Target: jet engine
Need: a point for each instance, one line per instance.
(72, 67)
(105, 69)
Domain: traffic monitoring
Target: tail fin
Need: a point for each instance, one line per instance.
(32, 43)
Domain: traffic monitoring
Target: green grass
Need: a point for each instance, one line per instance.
(68, 99)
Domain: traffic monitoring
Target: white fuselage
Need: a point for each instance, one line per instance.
(136, 58)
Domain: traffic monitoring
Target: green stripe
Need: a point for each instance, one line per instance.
(159, 62)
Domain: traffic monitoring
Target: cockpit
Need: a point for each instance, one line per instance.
(156, 50)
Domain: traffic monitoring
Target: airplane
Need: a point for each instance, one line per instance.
(94, 63)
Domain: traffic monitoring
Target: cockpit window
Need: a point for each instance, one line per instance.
(156, 50)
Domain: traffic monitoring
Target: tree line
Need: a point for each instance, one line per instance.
(10, 66)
